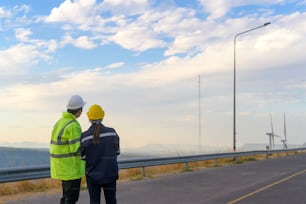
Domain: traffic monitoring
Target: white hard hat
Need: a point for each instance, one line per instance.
(75, 102)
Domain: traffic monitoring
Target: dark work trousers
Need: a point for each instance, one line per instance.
(94, 190)
(71, 191)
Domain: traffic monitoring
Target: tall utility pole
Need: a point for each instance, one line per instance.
(200, 114)
(234, 103)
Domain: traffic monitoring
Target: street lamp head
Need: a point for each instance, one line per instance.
(268, 23)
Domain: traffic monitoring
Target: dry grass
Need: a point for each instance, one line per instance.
(25, 188)
(130, 174)
(28, 186)
(15, 190)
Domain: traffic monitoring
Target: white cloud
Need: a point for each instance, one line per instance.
(183, 44)
(52, 45)
(126, 7)
(22, 34)
(4, 13)
(152, 28)
(216, 9)
(220, 8)
(84, 42)
(299, 85)
(78, 12)
(81, 42)
(137, 38)
(22, 8)
(115, 65)
(18, 59)
(44, 46)
(182, 26)
(142, 33)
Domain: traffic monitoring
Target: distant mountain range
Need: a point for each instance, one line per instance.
(179, 150)
(254, 147)
(30, 145)
(175, 149)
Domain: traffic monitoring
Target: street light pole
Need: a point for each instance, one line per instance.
(234, 103)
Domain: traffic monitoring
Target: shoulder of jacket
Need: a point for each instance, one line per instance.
(108, 129)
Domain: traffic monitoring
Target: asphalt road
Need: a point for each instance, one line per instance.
(280, 180)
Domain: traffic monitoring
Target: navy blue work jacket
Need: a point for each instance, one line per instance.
(101, 158)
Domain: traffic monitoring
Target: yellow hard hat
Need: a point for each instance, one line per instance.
(95, 112)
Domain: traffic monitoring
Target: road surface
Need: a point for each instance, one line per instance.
(278, 180)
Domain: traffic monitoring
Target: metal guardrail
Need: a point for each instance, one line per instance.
(25, 173)
(30, 173)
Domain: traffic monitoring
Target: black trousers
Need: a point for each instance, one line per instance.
(94, 190)
(71, 191)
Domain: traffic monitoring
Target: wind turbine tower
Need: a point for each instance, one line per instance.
(284, 141)
(272, 135)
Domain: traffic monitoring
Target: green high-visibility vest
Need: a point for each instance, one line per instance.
(65, 155)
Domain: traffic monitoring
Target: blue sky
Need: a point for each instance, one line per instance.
(141, 61)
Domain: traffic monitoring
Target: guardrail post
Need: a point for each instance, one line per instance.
(268, 154)
(216, 162)
(186, 166)
(143, 172)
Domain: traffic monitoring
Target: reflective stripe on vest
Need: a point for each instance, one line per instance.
(59, 137)
(65, 142)
(60, 142)
(65, 155)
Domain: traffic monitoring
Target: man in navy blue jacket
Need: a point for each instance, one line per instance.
(100, 148)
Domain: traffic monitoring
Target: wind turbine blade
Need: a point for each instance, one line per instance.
(276, 135)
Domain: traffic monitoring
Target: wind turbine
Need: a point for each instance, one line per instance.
(284, 141)
(271, 134)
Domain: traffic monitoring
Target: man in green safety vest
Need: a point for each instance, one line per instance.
(65, 156)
